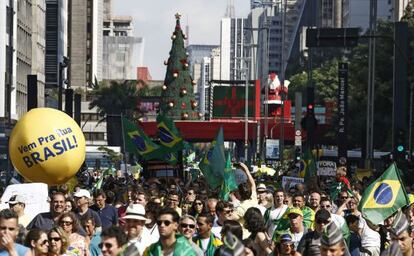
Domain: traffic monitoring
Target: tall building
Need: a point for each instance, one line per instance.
(39, 47)
(232, 45)
(56, 41)
(122, 51)
(24, 53)
(85, 42)
(8, 41)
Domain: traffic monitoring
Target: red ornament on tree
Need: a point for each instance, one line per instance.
(183, 105)
(175, 73)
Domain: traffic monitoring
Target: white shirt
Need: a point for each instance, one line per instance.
(152, 233)
(275, 214)
(216, 229)
(369, 237)
(142, 242)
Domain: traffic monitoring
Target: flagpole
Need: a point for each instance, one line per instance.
(123, 143)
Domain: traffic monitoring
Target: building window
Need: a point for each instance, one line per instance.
(94, 136)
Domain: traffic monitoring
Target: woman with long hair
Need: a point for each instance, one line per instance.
(70, 224)
(37, 241)
(58, 241)
(198, 207)
(255, 224)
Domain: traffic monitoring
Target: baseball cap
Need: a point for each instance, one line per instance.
(295, 210)
(286, 238)
(82, 193)
(17, 199)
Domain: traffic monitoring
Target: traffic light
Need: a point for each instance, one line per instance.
(399, 145)
(298, 153)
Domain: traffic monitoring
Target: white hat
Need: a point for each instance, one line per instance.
(82, 193)
(16, 199)
(261, 187)
(135, 212)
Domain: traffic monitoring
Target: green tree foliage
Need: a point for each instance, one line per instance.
(112, 101)
(178, 100)
(325, 79)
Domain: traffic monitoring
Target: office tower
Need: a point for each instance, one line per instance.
(85, 42)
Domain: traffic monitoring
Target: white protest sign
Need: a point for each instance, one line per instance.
(35, 194)
(326, 168)
(291, 181)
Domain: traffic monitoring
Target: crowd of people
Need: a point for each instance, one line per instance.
(170, 217)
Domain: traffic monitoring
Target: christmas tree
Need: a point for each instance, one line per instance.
(177, 99)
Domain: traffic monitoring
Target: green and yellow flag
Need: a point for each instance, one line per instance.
(136, 141)
(229, 182)
(213, 163)
(384, 196)
(170, 137)
(309, 166)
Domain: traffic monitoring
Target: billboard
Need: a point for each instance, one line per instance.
(229, 101)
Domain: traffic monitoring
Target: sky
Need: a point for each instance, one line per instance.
(154, 21)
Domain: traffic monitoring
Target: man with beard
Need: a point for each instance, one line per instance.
(169, 243)
(46, 220)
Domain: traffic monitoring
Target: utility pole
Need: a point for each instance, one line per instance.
(371, 85)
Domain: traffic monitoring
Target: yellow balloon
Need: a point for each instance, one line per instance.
(47, 145)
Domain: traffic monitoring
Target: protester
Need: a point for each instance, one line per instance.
(254, 223)
(173, 201)
(169, 243)
(310, 242)
(332, 242)
(224, 211)
(113, 241)
(18, 205)
(58, 241)
(273, 215)
(88, 223)
(134, 227)
(82, 201)
(151, 228)
(285, 246)
(107, 213)
(197, 207)
(37, 241)
(205, 239)
(188, 229)
(8, 232)
(70, 224)
(401, 235)
(46, 220)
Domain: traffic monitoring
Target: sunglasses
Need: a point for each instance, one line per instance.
(325, 206)
(344, 197)
(106, 245)
(229, 211)
(198, 203)
(56, 239)
(166, 222)
(184, 225)
(322, 222)
(66, 223)
(44, 242)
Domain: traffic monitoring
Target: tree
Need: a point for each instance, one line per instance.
(112, 101)
(177, 101)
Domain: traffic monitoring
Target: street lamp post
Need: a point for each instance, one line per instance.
(62, 65)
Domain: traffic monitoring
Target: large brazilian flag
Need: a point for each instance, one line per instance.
(170, 137)
(136, 141)
(384, 196)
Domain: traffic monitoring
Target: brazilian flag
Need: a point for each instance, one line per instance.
(170, 137)
(384, 196)
(229, 182)
(213, 163)
(308, 166)
(136, 141)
